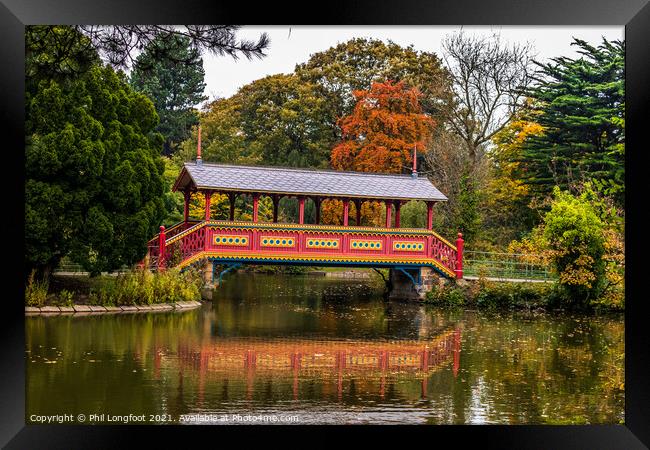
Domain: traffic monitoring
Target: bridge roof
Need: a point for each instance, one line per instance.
(290, 181)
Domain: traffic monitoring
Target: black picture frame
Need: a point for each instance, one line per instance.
(633, 14)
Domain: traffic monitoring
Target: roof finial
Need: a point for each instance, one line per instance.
(414, 174)
(199, 161)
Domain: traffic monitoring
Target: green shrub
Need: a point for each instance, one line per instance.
(145, 288)
(513, 295)
(36, 291)
(65, 298)
(449, 295)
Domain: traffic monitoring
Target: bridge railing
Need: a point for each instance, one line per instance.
(506, 266)
(307, 242)
(153, 246)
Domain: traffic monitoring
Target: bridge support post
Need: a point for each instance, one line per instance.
(411, 283)
(256, 202)
(208, 198)
(207, 270)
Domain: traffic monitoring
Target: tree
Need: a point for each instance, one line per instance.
(283, 121)
(489, 82)
(174, 83)
(489, 78)
(385, 126)
(222, 138)
(581, 236)
(507, 208)
(354, 65)
(55, 53)
(279, 119)
(94, 179)
(387, 123)
(581, 105)
(574, 234)
(118, 43)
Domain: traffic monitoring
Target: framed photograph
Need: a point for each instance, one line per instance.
(411, 214)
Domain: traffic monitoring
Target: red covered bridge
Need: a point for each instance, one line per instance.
(412, 253)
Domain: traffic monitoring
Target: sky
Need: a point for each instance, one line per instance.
(291, 45)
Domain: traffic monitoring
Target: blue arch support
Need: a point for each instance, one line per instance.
(223, 272)
(417, 280)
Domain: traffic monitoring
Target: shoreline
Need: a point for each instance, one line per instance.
(97, 309)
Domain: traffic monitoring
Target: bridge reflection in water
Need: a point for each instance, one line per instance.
(313, 359)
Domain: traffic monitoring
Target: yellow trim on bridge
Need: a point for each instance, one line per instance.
(310, 228)
(315, 258)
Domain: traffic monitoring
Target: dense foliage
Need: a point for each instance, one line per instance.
(94, 185)
(175, 84)
(384, 128)
(356, 64)
(277, 120)
(580, 106)
(582, 238)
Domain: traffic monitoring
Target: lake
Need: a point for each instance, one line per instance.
(284, 349)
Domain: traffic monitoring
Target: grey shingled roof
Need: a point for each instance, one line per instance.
(308, 182)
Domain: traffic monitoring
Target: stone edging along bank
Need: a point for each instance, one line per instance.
(92, 309)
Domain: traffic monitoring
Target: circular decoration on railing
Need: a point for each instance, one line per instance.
(323, 243)
(273, 241)
(364, 244)
(408, 246)
(230, 240)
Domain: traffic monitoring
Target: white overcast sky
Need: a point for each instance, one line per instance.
(224, 75)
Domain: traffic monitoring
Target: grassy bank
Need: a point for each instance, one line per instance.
(507, 295)
(134, 288)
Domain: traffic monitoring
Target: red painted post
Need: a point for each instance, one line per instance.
(346, 212)
(459, 256)
(358, 204)
(208, 198)
(389, 211)
(256, 204)
(301, 210)
(161, 248)
(186, 210)
(430, 215)
(398, 206)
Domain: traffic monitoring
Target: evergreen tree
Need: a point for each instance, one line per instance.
(581, 111)
(175, 84)
(94, 178)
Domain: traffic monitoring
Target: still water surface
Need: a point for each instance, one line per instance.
(318, 350)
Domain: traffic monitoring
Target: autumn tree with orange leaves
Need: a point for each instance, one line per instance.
(387, 123)
(379, 136)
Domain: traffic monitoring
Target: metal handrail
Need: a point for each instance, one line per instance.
(506, 265)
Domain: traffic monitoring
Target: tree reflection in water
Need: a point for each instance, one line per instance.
(329, 351)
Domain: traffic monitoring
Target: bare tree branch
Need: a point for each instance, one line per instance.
(490, 78)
